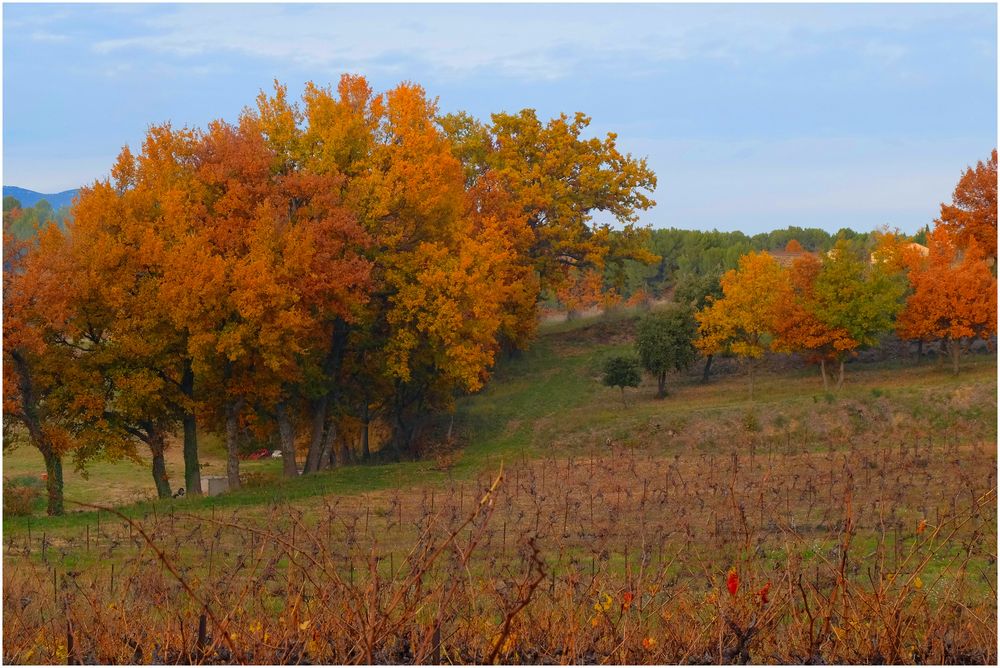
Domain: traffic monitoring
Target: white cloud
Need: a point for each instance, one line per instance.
(45, 36)
(536, 42)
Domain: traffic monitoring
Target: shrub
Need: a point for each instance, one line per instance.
(751, 422)
(621, 372)
(21, 495)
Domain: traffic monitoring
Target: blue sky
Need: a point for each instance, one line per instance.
(753, 116)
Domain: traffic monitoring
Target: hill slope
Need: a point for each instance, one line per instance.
(31, 197)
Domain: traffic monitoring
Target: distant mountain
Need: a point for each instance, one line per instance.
(29, 198)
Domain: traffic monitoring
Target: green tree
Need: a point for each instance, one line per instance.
(857, 297)
(622, 371)
(10, 203)
(666, 343)
(697, 290)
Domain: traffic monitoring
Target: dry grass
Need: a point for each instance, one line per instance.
(619, 555)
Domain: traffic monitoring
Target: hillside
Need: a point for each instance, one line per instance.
(29, 198)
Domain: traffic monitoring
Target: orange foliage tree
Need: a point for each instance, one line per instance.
(54, 388)
(581, 290)
(954, 295)
(972, 214)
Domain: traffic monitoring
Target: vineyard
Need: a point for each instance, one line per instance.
(801, 528)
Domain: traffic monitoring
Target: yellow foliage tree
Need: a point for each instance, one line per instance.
(742, 320)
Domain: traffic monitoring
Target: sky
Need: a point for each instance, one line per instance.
(754, 117)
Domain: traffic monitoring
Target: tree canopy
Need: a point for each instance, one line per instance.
(665, 343)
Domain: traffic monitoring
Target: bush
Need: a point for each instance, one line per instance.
(621, 372)
(258, 478)
(751, 422)
(21, 495)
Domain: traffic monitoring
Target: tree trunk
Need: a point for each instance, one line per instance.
(328, 452)
(661, 385)
(822, 370)
(345, 453)
(708, 365)
(233, 443)
(314, 455)
(331, 368)
(622, 388)
(192, 469)
(840, 377)
(54, 482)
(366, 453)
(399, 441)
(286, 435)
(157, 445)
(751, 380)
(920, 351)
(955, 348)
(33, 423)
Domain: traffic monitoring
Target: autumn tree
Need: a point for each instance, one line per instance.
(665, 343)
(53, 389)
(741, 322)
(277, 238)
(31, 368)
(429, 191)
(793, 246)
(445, 256)
(972, 214)
(559, 180)
(954, 296)
(136, 234)
(799, 328)
(580, 290)
(114, 274)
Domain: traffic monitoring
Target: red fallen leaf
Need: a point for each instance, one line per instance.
(627, 600)
(732, 581)
(763, 593)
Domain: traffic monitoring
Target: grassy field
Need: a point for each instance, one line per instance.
(868, 514)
